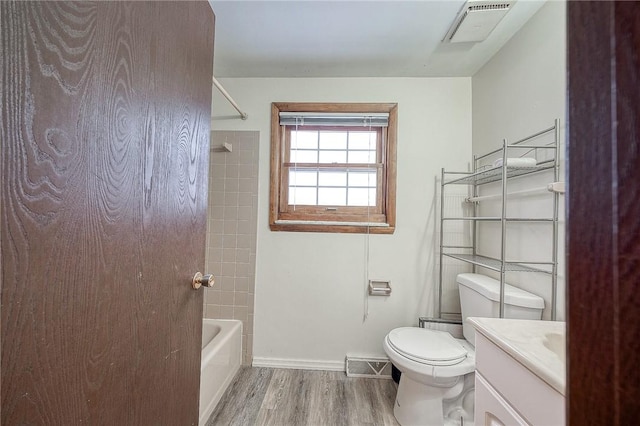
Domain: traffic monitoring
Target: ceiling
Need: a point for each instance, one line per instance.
(372, 38)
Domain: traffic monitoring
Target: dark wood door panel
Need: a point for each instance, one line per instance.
(604, 212)
(105, 129)
(627, 193)
(589, 207)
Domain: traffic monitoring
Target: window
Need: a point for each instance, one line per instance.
(333, 167)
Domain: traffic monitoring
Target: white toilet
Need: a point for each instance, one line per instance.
(437, 382)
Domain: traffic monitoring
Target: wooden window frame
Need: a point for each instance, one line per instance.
(339, 219)
(318, 212)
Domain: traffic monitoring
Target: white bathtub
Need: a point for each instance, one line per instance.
(221, 359)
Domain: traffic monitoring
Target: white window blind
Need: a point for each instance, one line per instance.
(334, 119)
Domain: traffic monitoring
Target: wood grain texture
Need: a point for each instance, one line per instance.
(105, 127)
(263, 396)
(392, 167)
(627, 167)
(603, 211)
(241, 402)
(589, 263)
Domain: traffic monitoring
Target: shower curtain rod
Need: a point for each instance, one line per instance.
(226, 94)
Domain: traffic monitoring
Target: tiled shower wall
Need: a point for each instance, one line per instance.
(231, 231)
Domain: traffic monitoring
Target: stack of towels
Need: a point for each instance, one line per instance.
(516, 162)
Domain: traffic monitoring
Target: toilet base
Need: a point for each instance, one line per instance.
(426, 405)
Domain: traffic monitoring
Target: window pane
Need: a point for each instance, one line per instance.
(362, 197)
(302, 196)
(367, 157)
(362, 140)
(333, 179)
(363, 178)
(333, 156)
(332, 196)
(333, 140)
(302, 156)
(304, 139)
(303, 178)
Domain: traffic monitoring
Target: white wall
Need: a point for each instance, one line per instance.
(310, 287)
(519, 91)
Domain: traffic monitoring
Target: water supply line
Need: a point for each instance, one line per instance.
(243, 115)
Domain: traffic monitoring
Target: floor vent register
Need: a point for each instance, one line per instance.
(377, 368)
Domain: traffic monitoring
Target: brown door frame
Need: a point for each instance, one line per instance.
(603, 208)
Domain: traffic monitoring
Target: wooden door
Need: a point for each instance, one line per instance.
(105, 128)
(603, 227)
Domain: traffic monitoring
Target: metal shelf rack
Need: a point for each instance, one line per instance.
(484, 174)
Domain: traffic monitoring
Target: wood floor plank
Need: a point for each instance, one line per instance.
(278, 397)
(241, 402)
(361, 402)
(386, 392)
(326, 402)
(286, 400)
(338, 414)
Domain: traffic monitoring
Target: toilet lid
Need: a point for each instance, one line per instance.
(427, 346)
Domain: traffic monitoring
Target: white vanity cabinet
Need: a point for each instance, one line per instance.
(510, 388)
(491, 409)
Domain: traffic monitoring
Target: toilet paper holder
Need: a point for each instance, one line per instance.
(379, 288)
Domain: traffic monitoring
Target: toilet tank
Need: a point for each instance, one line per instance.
(480, 297)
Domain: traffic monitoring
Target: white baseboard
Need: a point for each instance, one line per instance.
(298, 364)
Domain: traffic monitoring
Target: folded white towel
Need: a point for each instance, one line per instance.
(516, 162)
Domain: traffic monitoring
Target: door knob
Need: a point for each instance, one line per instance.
(202, 280)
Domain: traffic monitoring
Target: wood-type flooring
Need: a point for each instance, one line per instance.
(279, 397)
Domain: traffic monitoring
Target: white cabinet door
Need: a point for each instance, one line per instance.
(491, 409)
(534, 399)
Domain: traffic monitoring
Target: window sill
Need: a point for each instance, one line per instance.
(329, 226)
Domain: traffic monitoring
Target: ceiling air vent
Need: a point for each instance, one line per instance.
(476, 20)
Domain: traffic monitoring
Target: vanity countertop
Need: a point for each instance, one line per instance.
(537, 345)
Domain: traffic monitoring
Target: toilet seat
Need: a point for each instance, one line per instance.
(426, 346)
